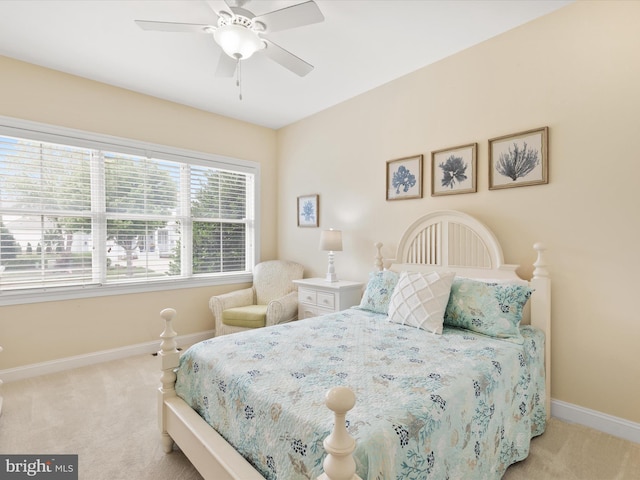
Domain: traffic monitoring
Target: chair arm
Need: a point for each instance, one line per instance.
(283, 310)
(237, 298)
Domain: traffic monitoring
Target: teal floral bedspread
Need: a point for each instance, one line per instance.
(457, 405)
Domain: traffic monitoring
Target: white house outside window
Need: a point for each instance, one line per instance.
(88, 213)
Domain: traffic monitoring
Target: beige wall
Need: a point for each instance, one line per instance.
(575, 71)
(46, 331)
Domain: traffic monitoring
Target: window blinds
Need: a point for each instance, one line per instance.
(74, 217)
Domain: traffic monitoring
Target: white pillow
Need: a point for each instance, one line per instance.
(420, 299)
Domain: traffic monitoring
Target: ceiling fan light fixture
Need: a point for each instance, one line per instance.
(237, 41)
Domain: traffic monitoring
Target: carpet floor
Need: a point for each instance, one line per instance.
(106, 413)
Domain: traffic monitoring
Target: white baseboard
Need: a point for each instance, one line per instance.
(44, 368)
(618, 427)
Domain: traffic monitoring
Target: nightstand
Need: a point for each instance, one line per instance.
(316, 296)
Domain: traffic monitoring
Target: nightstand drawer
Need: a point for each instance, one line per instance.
(325, 300)
(307, 296)
(307, 311)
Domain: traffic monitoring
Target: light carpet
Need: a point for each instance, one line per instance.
(106, 414)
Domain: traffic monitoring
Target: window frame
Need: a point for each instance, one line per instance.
(79, 138)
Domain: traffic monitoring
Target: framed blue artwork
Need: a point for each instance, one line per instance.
(308, 211)
(404, 178)
(453, 170)
(519, 159)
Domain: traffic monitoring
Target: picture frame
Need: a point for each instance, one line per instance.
(404, 178)
(519, 159)
(453, 170)
(308, 213)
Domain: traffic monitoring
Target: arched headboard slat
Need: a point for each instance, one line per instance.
(450, 239)
(425, 248)
(466, 248)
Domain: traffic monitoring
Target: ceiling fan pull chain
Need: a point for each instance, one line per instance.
(239, 78)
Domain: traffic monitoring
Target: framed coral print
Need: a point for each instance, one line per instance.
(453, 170)
(404, 178)
(519, 159)
(308, 211)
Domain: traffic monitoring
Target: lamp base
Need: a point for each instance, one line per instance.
(331, 270)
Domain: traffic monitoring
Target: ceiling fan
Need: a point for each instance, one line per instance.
(240, 33)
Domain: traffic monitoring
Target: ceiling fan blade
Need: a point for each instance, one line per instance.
(226, 66)
(172, 26)
(285, 58)
(220, 6)
(290, 17)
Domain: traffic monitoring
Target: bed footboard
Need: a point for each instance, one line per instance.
(209, 452)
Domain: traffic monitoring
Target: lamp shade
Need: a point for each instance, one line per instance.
(331, 240)
(237, 41)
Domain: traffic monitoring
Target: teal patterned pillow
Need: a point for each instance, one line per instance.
(378, 292)
(493, 309)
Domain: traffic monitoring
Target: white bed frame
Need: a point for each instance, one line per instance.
(444, 240)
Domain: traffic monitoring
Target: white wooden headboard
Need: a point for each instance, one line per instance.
(454, 241)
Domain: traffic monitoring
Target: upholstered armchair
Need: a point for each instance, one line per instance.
(272, 299)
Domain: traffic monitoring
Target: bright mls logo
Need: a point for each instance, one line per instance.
(50, 467)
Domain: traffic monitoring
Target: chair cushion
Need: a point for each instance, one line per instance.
(251, 316)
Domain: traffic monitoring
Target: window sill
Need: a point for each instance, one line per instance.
(62, 293)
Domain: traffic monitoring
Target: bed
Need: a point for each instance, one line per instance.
(404, 399)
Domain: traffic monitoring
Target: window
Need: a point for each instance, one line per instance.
(82, 212)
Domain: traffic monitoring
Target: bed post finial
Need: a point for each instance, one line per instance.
(168, 336)
(540, 263)
(379, 266)
(339, 463)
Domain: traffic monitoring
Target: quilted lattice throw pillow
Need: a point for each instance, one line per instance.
(378, 292)
(420, 300)
(492, 309)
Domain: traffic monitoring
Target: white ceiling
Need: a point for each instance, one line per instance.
(361, 44)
